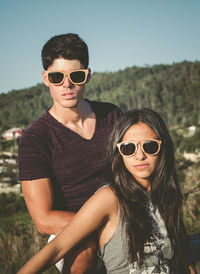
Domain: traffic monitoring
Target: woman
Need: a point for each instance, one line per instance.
(138, 213)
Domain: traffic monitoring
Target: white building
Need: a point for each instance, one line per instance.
(12, 133)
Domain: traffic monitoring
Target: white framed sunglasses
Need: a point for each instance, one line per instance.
(129, 148)
(76, 77)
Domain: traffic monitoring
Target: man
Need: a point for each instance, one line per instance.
(61, 155)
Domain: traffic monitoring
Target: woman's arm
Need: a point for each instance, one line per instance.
(94, 213)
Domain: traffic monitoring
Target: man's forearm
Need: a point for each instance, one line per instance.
(53, 222)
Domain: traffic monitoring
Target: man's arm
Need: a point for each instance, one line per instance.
(38, 195)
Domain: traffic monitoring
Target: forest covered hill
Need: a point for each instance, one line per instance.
(173, 90)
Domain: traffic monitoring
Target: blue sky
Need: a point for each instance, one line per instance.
(119, 34)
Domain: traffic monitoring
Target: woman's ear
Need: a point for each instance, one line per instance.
(44, 77)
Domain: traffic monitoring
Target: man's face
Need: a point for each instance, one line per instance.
(65, 95)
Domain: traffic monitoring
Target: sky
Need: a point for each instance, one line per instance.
(119, 34)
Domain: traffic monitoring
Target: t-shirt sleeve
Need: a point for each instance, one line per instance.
(119, 112)
(33, 158)
(115, 114)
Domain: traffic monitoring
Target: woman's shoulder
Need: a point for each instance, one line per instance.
(106, 190)
(103, 204)
(107, 196)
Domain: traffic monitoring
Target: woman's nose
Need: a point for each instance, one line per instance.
(140, 155)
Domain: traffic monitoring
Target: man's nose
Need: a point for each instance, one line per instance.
(67, 82)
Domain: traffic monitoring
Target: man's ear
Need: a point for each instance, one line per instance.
(44, 77)
(89, 75)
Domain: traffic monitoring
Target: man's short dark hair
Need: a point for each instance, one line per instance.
(68, 46)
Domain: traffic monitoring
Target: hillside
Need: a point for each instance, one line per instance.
(174, 90)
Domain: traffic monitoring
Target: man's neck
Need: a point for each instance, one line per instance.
(81, 120)
(72, 115)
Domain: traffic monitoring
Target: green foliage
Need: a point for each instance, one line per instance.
(191, 144)
(11, 203)
(191, 188)
(22, 107)
(19, 238)
(173, 90)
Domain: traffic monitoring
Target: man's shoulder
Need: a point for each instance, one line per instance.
(104, 108)
(38, 127)
(106, 105)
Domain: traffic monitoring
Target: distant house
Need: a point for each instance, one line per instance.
(194, 157)
(12, 133)
(191, 131)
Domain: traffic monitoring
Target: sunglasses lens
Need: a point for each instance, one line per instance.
(127, 149)
(55, 77)
(151, 147)
(78, 76)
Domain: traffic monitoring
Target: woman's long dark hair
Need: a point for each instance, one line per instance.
(165, 191)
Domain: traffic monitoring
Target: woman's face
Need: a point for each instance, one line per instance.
(141, 165)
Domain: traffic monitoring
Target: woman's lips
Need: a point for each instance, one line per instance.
(141, 166)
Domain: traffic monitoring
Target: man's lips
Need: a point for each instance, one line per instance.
(68, 95)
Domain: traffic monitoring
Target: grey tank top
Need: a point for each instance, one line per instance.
(157, 252)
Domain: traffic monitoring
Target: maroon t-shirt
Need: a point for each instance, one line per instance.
(75, 165)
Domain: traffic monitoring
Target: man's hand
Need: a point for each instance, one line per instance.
(192, 270)
(82, 258)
